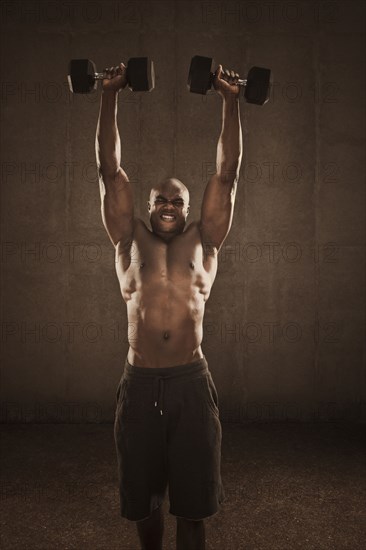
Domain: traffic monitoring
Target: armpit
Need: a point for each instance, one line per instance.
(123, 253)
(209, 249)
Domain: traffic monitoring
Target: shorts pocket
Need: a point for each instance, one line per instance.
(210, 393)
(121, 390)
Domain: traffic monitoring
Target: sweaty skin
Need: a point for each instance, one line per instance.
(165, 281)
(166, 273)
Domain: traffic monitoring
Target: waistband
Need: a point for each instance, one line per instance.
(168, 372)
(159, 374)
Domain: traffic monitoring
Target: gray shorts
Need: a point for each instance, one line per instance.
(168, 434)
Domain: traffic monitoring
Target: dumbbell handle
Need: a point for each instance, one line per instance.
(241, 82)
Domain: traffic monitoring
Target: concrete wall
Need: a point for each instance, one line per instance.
(284, 326)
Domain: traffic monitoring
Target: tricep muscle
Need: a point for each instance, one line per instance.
(217, 210)
(117, 207)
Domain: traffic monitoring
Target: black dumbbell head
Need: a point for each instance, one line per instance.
(140, 74)
(81, 76)
(200, 74)
(257, 87)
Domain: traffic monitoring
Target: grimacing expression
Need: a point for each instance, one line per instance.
(168, 207)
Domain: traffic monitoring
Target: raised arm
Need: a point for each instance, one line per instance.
(115, 188)
(219, 196)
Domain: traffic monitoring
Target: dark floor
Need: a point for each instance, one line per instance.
(287, 485)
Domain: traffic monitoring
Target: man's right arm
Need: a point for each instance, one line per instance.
(115, 189)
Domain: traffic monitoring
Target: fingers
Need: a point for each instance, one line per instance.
(121, 68)
(108, 72)
(230, 76)
(111, 72)
(218, 71)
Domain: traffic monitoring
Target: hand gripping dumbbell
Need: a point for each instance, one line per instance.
(83, 77)
(201, 77)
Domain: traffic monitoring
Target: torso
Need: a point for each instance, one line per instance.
(165, 287)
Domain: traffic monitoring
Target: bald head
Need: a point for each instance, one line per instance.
(168, 206)
(170, 186)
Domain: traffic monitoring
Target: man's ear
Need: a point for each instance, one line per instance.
(148, 205)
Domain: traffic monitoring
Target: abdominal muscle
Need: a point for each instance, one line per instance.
(165, 326)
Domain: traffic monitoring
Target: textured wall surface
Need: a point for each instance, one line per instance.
(284, 326)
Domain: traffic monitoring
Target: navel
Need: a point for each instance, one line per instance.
(166, 335)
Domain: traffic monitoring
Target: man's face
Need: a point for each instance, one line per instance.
(168, 208)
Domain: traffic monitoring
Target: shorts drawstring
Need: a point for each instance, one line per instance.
(159, 392)
(160, 374)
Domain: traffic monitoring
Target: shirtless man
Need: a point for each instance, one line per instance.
(165, 275)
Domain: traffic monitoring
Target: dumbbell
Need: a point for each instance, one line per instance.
(83, 77)
(201, 77)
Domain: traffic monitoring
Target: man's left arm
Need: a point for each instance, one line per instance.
(219, 196)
